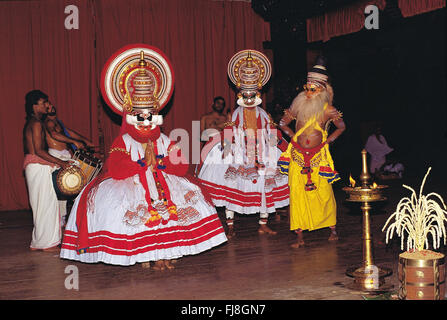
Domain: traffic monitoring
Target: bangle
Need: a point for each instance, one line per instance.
(120, 150)
(229, 124)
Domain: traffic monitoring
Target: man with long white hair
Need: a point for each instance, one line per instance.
(307, 160)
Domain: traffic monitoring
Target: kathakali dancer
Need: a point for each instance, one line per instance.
(307, 160)
(141, 207)
(240, 171)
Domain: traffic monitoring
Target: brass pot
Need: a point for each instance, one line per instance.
(421, 279)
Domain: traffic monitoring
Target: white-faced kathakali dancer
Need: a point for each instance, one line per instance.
(307, 160)
(240, 172)
(140, 208)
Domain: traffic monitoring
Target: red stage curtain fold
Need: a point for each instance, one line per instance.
(199, 37)
(39, 53)
(413, 7)
(342, 21)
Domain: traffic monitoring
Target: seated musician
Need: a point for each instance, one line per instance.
(216, 119)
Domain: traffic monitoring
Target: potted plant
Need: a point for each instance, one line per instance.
(421, 271)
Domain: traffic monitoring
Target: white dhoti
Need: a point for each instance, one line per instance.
(43, 200)
(63, 155)
(60, 154)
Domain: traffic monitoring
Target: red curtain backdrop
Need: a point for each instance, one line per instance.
(199, 37)
(345, 20)
(38, 52)
(413, 7)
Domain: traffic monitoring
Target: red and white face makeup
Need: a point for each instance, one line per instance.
(143, 120)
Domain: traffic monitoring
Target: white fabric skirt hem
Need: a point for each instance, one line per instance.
(154, 255)
(250, 210)
(46, 247)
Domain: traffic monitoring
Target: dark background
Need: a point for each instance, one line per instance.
(394, 76)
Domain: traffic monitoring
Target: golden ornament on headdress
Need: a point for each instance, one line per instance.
(249, 60)
(142, 62)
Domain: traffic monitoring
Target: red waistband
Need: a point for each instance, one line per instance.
(33, 158)
(309, 151)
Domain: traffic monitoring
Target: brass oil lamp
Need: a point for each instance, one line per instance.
(367, 277)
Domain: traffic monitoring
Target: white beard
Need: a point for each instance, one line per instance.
(304, 108)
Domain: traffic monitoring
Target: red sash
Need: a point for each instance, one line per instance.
(308, 154)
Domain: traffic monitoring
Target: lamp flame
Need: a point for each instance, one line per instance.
(374, 186)
(351, 181)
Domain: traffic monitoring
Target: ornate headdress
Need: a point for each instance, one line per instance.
(317, 77)
(137, 77)
(249, 70)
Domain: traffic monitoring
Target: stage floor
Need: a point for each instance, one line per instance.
(249, 267)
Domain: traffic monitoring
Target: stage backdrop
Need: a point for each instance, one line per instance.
(39, 52)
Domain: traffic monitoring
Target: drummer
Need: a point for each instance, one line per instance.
(38, 166)
(58, 139)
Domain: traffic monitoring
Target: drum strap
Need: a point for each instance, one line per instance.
(66, 133)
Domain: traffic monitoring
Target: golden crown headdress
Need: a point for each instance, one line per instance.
(137, 77)
(249, 70)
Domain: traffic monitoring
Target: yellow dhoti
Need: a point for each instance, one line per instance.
(314, 209)
(311, 173)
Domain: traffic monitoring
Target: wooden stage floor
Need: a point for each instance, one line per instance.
(249, 267)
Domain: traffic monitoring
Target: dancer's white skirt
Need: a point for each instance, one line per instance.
(117, 231)
(240, 187)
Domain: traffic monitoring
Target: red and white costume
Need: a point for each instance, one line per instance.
(235, 182)
(136, 210)
(241, 173)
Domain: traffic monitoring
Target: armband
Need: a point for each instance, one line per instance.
(338, 116)
(289, 114)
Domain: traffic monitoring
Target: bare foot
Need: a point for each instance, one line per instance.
(168, 264)
(299, 241)
(333, 237)
(297, 244)
(159, 265)
(146, 265)
(264, 229)
(230, 232)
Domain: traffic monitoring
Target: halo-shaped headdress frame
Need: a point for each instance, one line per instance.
(246, 75)
(127, 80)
